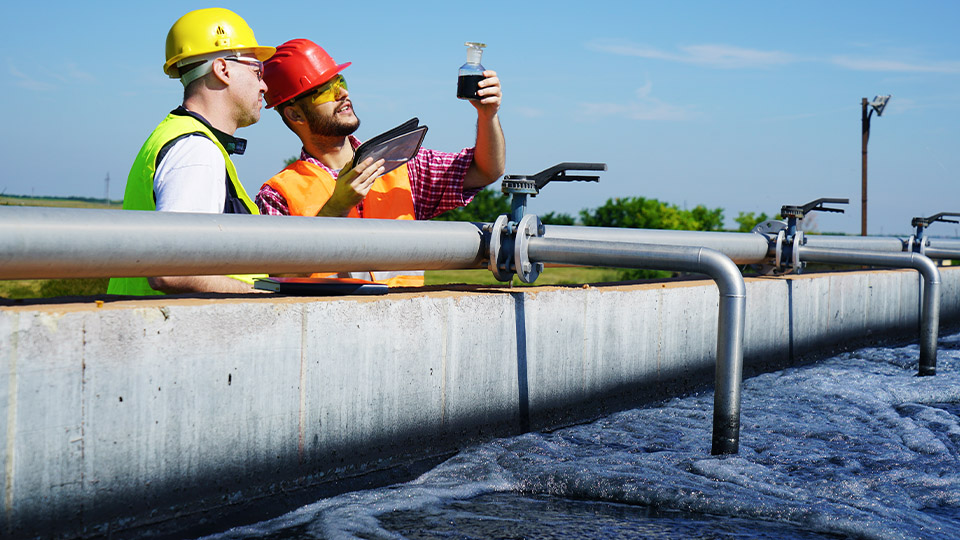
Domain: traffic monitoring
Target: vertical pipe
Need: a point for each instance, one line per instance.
(929, 316)
(729, 367)
(518, 206)
(731, 317)
(930, 299)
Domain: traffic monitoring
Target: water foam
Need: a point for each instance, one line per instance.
(855, 446)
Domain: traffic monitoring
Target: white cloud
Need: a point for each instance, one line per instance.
(708, 55)
(25, 81)
(50, 78)
(722, 56)
(529, 112)
(74, 72)
(644, 108)
(885, 65)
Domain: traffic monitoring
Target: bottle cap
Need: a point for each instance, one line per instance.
(474, 51)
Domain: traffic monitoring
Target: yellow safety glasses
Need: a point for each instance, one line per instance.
(329, 91)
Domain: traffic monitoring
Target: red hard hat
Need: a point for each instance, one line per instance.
(298, 65)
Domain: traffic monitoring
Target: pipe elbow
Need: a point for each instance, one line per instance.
(926, 267)
(723, 270)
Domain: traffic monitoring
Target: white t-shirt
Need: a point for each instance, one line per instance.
(191, 177)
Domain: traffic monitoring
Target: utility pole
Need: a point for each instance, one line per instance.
(865, 136)
(106, 189)
(878, 104)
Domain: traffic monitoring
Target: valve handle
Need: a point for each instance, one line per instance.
(801, 211)
(558, 173)
(927, 221)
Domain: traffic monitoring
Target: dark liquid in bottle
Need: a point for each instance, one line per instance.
(467, 86)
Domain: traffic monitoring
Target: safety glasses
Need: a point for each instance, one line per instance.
(329, 91)
(255, 64)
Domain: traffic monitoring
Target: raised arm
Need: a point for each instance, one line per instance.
(489, 158)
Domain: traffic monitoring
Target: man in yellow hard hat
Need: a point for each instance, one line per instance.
(307, 89)
(185, 165)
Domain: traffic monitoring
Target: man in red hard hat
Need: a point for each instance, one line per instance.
(307, 90)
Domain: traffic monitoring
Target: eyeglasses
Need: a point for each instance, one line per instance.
(255, 64)
(329, 91)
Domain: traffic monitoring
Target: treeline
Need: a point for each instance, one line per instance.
(60, 198)
(629, 212)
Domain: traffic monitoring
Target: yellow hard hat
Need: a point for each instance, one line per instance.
(209, 31)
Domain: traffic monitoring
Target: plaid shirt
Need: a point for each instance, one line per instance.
(436, 183)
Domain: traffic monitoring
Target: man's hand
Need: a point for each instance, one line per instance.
(352, 186)
(489, 94)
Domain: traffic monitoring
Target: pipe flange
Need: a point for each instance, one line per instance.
(774, 232)
(797, 242)
(529, 226)
(499, 258)
(778, 260)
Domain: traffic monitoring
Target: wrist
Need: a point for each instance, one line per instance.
(332, 210)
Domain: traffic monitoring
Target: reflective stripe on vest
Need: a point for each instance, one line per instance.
(307, 187)
(138, 194)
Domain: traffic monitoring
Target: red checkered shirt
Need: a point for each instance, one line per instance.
(436, 183)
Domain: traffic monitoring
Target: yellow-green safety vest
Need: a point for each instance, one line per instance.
(139, 191)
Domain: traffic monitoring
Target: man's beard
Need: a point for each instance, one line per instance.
(329, 126)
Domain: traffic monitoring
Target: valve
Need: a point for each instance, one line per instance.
(918, 242)
(509, 235)
(785, 238)
(520, 186)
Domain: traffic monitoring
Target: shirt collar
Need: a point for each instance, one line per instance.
(304, 156)
(233, 145)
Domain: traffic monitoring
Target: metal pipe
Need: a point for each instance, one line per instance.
(941, 254)
(731, 317)
(930, 303)
(71, 243)
(742, 248)
(944, 243)
(857, 243)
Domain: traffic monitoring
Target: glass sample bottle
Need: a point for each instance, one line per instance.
(471, 73)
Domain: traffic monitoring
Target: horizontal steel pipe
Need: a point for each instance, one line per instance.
(930, 302)
(859, 243)
(72, 243)
(742, 248)
(945, 244)
(942, 254)
(731, 317)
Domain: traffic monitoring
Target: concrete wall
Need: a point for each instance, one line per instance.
(178, 412)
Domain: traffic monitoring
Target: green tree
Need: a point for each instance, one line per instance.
(490, 203)
(643, 213)
(553, 218)
(747, 220)
(486, 206)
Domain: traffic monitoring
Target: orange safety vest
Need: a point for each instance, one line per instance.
(307, 187)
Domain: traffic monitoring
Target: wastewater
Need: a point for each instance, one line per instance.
(854, 446)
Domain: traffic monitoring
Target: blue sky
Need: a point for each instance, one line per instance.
(741, 105)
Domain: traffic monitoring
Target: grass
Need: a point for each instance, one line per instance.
(561, 275)
(51, 288)
(57, 203)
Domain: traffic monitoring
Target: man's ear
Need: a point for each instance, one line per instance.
(220, 70)
(293, 114)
